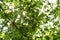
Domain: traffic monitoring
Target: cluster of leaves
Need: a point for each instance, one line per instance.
(29, 20)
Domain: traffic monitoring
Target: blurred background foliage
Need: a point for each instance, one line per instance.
(29, 19)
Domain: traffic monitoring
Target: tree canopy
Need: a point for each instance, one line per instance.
(29, 19)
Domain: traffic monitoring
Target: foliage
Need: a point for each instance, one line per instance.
(29, 20)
